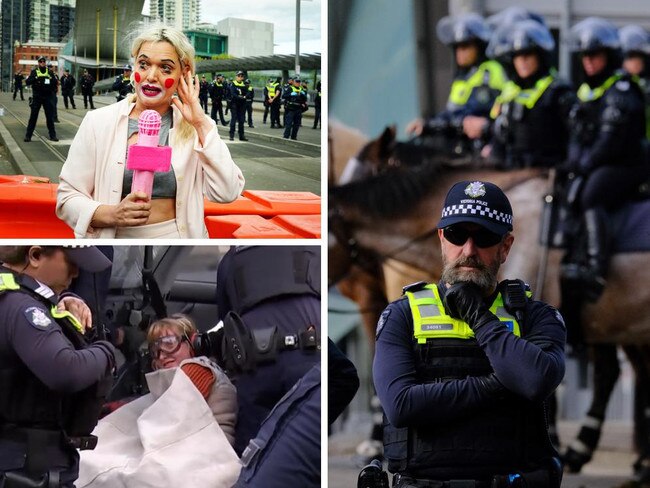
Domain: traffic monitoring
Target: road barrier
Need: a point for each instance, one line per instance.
(27, 205)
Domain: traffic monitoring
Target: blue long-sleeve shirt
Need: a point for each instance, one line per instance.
(531, 367)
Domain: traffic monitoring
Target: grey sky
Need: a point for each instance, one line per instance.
(281, 13)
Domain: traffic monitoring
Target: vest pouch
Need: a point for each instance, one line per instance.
(86, 406)
(395, 446)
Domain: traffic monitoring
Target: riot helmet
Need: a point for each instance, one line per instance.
(634, 39)
(521, 36)
(510, 15)
(594, 34)
(469, 27)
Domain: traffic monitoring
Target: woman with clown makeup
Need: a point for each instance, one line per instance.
(94, 196)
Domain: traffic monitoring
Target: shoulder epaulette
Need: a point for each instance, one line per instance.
(418, 285)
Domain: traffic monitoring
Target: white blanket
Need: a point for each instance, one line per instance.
(166, 439)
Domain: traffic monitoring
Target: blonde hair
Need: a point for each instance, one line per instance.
(179, 323)
(160, 32)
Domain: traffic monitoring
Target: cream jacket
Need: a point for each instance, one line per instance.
(92, 174)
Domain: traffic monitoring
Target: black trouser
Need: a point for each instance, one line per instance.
(316, 115)
(21, 92)
(237, 116)
(267, 109)
(204, 102)
(275, 114)
(68, 95)
(292, 119)
(88, 98)
(47, 102)
(611, 186)
(217, 109)
(249, 112)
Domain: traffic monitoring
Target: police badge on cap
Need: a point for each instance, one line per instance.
(479, 202)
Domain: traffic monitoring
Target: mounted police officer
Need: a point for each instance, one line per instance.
(238, 92)
(217, 94)
(476, 84)
(272, 289)
(44, 86)
(295, 103)
(606, 148)
(635, 44)
(463, 367)
(122, 84)
(531, 114)
(52, 379)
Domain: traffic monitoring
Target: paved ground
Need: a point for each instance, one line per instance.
(611, 466)
(268, 161)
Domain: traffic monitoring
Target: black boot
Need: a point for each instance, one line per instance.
(597, 252)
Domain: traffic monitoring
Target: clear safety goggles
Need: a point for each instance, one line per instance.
(167, 344)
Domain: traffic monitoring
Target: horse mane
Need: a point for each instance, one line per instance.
(392, 192)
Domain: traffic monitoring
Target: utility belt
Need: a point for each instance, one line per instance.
(37, 438)
(541, 478)
(293, 106)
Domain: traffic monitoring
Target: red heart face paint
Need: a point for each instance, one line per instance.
(169, 82)
(137, 77)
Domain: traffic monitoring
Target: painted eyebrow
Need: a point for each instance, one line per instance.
(162, 60)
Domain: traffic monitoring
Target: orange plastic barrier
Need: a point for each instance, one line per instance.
(27, 206)
(245, 227)
(27, 211)
(307, 226)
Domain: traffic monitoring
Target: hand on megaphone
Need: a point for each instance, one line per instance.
(133, 210)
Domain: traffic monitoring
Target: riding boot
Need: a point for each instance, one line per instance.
(597, 252)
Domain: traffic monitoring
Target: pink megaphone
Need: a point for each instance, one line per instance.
(146, 157)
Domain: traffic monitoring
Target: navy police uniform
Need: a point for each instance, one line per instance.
(87, 82)
(270, 287)
(52, 383)
(122, 85)
(217, 94)
(286, 451)
(295, 103)
(67, 88)
(44, 86)
(238, 91)
(204, 88)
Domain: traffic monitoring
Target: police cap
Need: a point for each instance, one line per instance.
(240, 73)
(247, 81)
(479, 202)
(88, 258)
(42, 58)
(127, 67)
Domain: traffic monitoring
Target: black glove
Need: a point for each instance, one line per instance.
(464, 301)
(491, 385)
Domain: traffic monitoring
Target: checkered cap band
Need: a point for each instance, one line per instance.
(478, 211)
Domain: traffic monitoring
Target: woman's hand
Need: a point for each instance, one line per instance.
(134, 210)
(188, 100)
(189, 106)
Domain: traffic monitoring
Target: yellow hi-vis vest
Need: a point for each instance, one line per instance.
(488, 73)
(588, 94)
(271, 87)
(528, 97)
(430, 320)
(8, 283)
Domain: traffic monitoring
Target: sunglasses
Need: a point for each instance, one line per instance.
(167, 344)
(458, 235)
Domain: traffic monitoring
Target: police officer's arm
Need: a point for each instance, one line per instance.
(532, 366)
(31, 78)
(405, 399)
(343, 381)
(621, 123)
(44, 349)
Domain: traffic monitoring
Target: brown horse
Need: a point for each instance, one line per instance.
(385, 215)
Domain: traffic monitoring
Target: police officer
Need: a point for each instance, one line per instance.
(67, 88)
(238, 92)
(606, 147)
(275, 99)
(250, 96)
(87, 83)
(55, 76)
(459, 128)
(204, 88)
(52, 380)
(317, 105)
(531, 114)
(217, 93)
(635, 44)
(463, 367)
(267, 105)
(271, 287)
(122, 84)
(295, 103)
(18, 85)
(44, 87)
